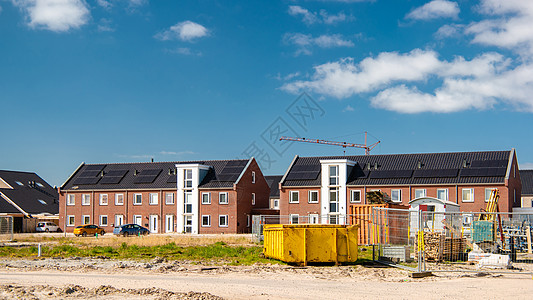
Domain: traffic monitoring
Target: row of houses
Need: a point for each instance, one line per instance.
(221, 196)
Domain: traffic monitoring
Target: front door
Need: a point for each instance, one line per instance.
(138, 220)
(188, 224)
(153, 223)
(169, 223)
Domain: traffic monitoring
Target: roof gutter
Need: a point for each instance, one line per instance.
(14, 204)
(288, 169)
(71, 175)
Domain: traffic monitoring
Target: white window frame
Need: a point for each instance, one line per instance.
(333, 176)
(313, 218)
(169, 198)
(85, 217)
(106, 220)
(208, 220)
(153, 199)
(226, 201)
(424, 193)
(291, 218)
(208, 200)
(117, 197)
(253, 177)
(352, 196)
(463, 194)
(71, 199)
(253, 198)
(291, 196)
(102, 201)
(187, 180)
(187, 202)
(225, 217)
(445, 194)
(275, 206)
(489, 190)
(135, 199)
(116, 219)
(69, 219)
(399, 195)
(86, 199)
(309, 197)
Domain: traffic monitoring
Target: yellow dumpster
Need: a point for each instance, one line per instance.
(311, 243)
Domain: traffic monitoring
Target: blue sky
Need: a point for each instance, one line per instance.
(125, 81)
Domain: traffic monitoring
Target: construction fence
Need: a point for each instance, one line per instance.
(6, 228)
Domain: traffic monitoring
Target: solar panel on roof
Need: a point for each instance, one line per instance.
(116, 173)
(227, 177)
(236, 163)
(94, 167)
(435, 173)
(483, 172)
(86, 180)
(489, 163)
(147, 176)
(232, 170)
(381, 174)
(89, 173)
(150, 172)
(113, 177)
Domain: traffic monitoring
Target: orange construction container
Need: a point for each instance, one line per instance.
(362, 215)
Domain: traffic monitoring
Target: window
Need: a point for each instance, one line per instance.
(313, 197)
(86, 199)
(223, 198)
(396, 195)
(86, 219)
(420, 193)
(103, 199)
(138, 219)
(333, 175)
(103, 220)
(19, 183)
(70, 220)
(188, 178)
(223, 221)
(206, 198)
(294, 219)
(206, 221)
(253, 198)
(41, 201)
(39, 184)
(442, 194)
(293, 197)
(71, 199)
(355, 196)
(468, 195)
(334, 200)
(248, 221)
(154, 199)
(119, 199)
(137, 199)
(276, 204)
(187, 203)
(487, 194)
(169, 198)
(313, 219)
(253, 177)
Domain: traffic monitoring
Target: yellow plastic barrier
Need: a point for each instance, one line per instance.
(311, 243)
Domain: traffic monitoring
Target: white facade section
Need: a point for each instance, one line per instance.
(343, 166)
(198, 174)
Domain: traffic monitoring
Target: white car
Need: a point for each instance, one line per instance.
(47, 227)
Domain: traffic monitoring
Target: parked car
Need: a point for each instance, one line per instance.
(85, 230)
(130, 229)
(47, 227)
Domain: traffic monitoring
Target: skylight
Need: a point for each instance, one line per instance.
(42, 201)
(19, 183)
(39, 184)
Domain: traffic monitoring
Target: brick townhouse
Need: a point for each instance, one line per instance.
(187, 197)
(527, 187)
(323, 189)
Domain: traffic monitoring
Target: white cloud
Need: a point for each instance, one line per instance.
(105, 25)
(447, 31)
(323, 16)
(305, 42)
(434, 10)
(54, 15)
(511, 29)
(348, 108)
(481, 83)
(0, 9)
(185, 31)
(526, 166)
(185, 51)
(104, 3)
(176, 153)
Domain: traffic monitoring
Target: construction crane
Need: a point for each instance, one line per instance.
(325, 142)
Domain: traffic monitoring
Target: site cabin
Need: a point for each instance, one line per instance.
(432, 221)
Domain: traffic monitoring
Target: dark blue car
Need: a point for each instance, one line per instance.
(130, 229)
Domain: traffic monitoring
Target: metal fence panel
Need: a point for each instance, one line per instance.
(6, 228)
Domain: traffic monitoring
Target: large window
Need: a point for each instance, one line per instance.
(119, 199)
(169, 198)
(334, 200)
(206, 198)
(396, 195)
(333, 175)
(223, 198)
(294, 197)
(86, 199)
(154, 199)
(355, 196)
(71, 199)
(187, 208)
(419, 193)
(468, 195)
(188, 178)
(86, 219)
(313, 197)
(137, 199)
(442, 194)
(103, 199)
(206, 221)
(70, 220)
(223, 221)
